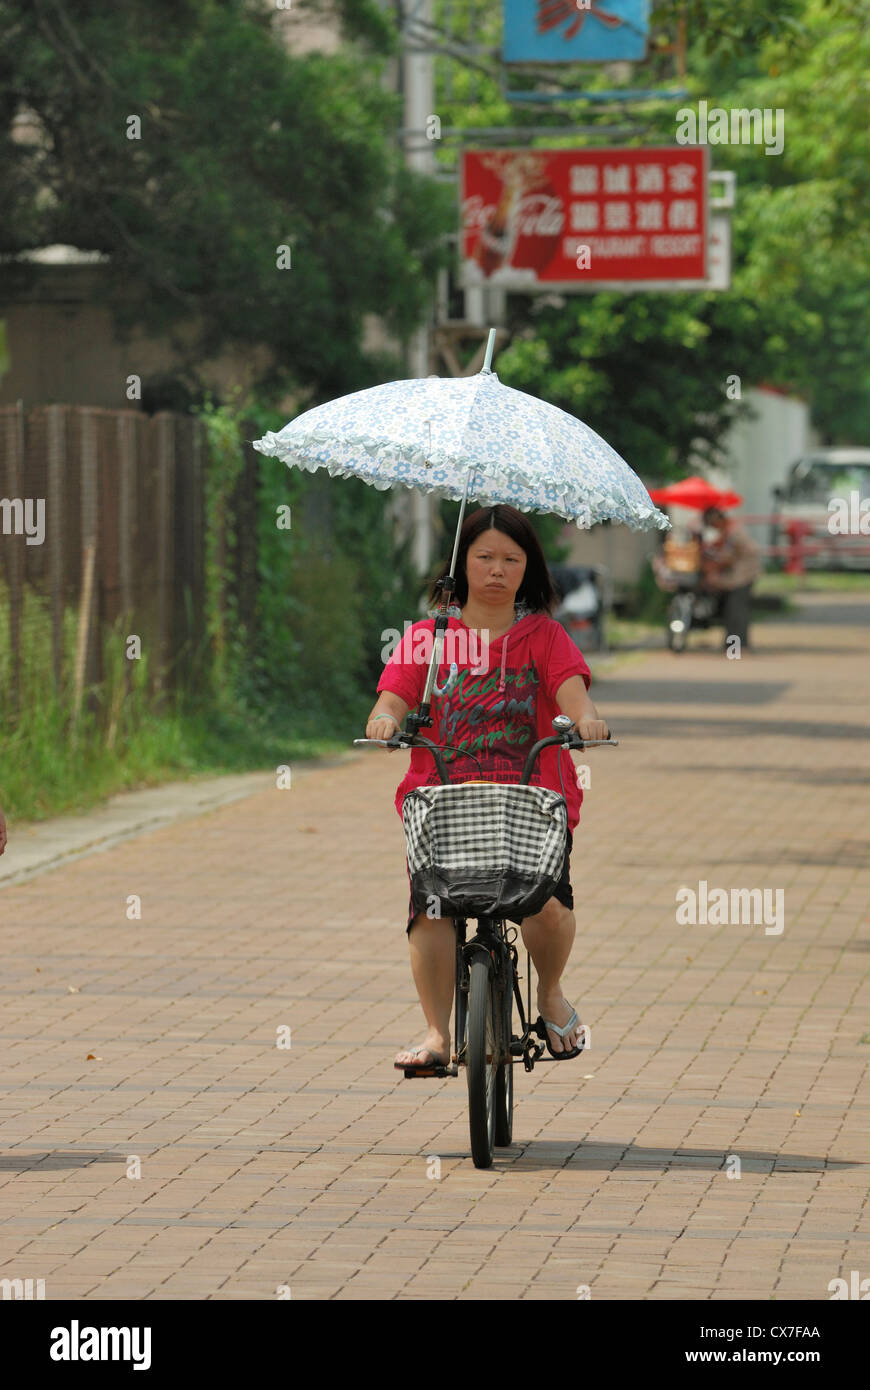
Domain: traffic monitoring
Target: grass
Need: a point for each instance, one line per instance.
(814, 581)
(124, 739)
(633, 632)
(46, 772)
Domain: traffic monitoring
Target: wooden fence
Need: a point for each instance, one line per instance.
(122, 505)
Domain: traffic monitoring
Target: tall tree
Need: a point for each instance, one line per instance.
(246, 197)
(650, 371)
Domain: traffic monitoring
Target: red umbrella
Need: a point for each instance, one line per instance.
(696, 493)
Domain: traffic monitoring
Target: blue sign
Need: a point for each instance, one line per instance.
(571, 31)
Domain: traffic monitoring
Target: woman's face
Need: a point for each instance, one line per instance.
(495, 566)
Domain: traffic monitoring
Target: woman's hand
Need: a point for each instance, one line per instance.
(591, 729)
(385, 718)
(382, 726)
(573, 699)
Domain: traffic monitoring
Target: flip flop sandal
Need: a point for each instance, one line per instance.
(421, 1066)
(541, 1028)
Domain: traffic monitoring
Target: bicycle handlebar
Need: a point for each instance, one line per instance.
(568, 740)
(571, 740)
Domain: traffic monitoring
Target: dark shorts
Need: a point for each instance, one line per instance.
(563, 891)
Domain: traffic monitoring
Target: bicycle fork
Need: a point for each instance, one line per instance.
(523, 1046)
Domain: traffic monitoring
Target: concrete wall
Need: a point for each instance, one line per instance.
(303, 32)
(760, 451)
(63, 347)
(625, 552)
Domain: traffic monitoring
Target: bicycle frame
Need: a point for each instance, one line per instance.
(492, 938)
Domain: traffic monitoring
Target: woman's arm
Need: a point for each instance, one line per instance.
(572, 697)
(386, 703)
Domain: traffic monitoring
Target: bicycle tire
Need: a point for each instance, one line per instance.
(504, 1078)
(481, 1061)
(682, 611)
(461, 1006)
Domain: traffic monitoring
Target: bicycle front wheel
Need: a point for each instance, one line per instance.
(504, 1078)
(481, 1061)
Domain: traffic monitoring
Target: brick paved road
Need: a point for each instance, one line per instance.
(264, 1167)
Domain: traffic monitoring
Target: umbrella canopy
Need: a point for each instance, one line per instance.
(695, 493)
(440, 434)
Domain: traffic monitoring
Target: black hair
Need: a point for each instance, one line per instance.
(712, 513)
(537, 588)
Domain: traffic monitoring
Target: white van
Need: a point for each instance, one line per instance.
(817, 479)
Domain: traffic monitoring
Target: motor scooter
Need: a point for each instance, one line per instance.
(584, 605)
(678, 571)
(691, 607)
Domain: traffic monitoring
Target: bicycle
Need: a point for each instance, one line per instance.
(487, 983)
(691, 608)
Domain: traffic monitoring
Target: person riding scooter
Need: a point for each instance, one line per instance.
(730, 564)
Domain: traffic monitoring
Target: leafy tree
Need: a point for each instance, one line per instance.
(180, 138)
(649, 371)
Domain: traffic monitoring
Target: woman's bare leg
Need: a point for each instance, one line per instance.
(432, 942)
(548, 937)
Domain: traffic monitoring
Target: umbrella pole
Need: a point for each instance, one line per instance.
(422, 719)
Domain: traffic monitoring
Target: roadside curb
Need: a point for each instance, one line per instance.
(37, 847)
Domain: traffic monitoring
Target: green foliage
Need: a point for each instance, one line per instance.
(245, 149)
(646, 602)
(364, 20)
(223, 466)
(327, 587)
(649, 371)
(47, 757)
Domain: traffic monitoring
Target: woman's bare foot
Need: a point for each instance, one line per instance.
(556, 1008)
(436, 1044)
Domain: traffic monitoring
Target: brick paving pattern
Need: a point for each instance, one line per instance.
(307, 1169)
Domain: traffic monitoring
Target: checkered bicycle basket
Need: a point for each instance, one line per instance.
(490, 849)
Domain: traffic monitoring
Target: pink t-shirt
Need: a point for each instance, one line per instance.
(496, 713)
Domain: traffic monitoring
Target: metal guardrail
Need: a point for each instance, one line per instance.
(804, 540)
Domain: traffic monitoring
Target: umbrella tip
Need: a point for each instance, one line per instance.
(490, 345)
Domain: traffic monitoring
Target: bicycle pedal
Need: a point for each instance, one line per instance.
(412, 1072)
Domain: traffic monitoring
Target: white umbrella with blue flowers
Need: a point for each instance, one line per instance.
(468, 438)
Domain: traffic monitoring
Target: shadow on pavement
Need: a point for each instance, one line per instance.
(837, 777)
(690, 725)
(45, 1162)
(547, 1153)
(843, 852)
(832, 613)
(849, 853)
(685, 692)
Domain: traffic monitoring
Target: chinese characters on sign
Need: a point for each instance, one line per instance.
(565, 31)
(578, 217)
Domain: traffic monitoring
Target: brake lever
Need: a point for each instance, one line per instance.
(385, 742)
(590, 742)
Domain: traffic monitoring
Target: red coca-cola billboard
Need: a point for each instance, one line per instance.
(583, 219)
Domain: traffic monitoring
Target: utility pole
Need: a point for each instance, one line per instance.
(484, 306)
(418, 89)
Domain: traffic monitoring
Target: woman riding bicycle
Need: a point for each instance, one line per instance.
(522, 671)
